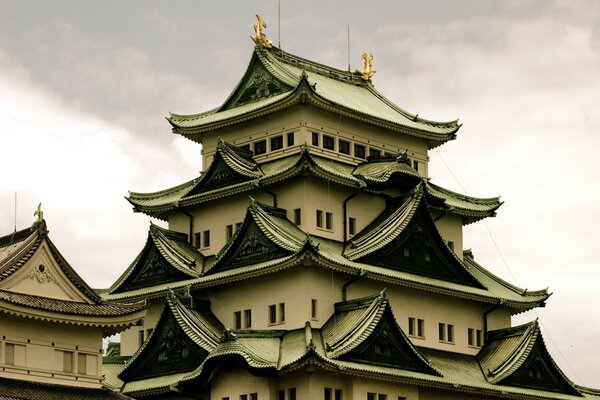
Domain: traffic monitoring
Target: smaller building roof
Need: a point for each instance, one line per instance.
(12, 389)
(17, 252)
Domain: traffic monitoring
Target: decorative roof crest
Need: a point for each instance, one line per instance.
(367, 71)
(259, 37)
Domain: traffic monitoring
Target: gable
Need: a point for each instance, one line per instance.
(251, 246)
(420, 250)
(540, 372)
(168, 351)
(387, 346)
(257, 84)
(151, 269)
(218, 175)
(42, 276)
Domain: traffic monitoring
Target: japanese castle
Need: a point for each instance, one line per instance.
(312, 258)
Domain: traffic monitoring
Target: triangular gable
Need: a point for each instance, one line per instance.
(166, 257)
(170, 349)
(265, 234)
(231, 165)
(517, 356)
(256, 84)
(31, 264)
(404, 237)
(366, 331)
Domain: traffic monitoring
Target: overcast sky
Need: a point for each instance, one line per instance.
(85, 87)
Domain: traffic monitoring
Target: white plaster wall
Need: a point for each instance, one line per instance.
(39, 343)
(130, 338)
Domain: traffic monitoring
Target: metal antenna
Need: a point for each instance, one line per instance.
(279, 22)
(15, 211)
(348, 47)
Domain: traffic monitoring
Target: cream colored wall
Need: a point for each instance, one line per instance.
(450, 227)
(305, 119)
(221, 385)
(130, 338)
(365, 208)
(41, 346)
(433, 309)
(309, 283)
(51, 282)
(500, 318)
(360, 388)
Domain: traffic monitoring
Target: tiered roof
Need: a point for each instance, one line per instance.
(86, 308)
(273, 243)
(276, 80)
(241, 174)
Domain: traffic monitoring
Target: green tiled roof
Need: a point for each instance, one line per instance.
(386, 227)
(158, 384)
(299, 80)
(173, 247)
(375, 171)
(472, 209)
(330, 254)
(12, 389)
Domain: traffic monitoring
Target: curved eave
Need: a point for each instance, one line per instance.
(109, 324)
(482, 207)
(26, 250)
(172, 255)
(304, 93)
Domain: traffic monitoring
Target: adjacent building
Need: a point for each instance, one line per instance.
(51, 322)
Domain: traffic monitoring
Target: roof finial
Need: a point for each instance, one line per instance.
(367, 71)
(259, 37)
(39, 213)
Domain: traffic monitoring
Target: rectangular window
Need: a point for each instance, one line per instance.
(228, 232)
(9, 354)
(328, 220)
(247, 318)
(281, 395)
(281, 312)
(260, 147)
(237, 320)
(427, 257)
(352, 226)
(298, 216)
(451, 333)
(243, 397)
(272, 314)
(253, 396)
(411, 326)
(276, 143)
(382, 396)
(416, 165)
(420, 328)
(315, 139)
(292, 394)
(479, 337)
(327, 394)
(319, 218)
(344, 146)
(81, 364)
(290, 139)
(313, 308)
(406, 252)
(442, 332)
(338, 394)
(359, 151)
(141, 337)
(206, 239)
(471, 337)
(224, 398)
(451, 245)
(328, 142)
(149, 332)
(238, 225)
(374, 153)
(197, 240)
(371, 396)
(67, 361)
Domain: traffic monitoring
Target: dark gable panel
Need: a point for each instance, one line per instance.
(219, 175)
(154, 270)
(252, 247)
(540, 372)
(170, 351)
(420, 250)
(386, 346)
